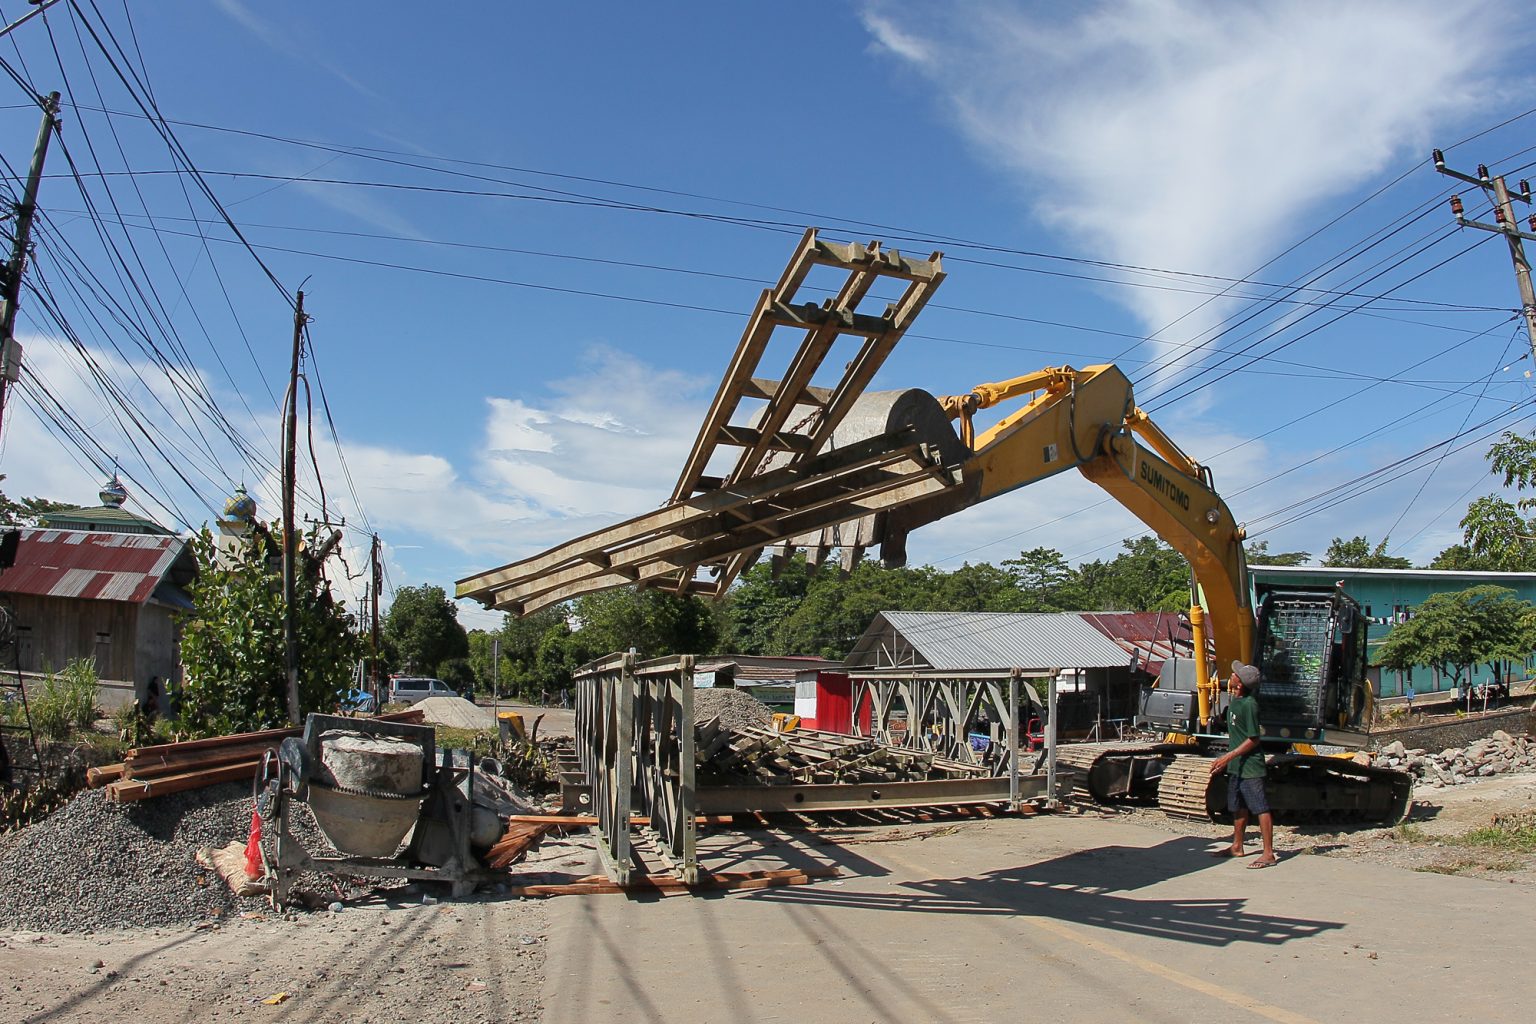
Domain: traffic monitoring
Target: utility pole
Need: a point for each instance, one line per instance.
(1506, 225)
(10, 275)
(378, 583)
(290, 542)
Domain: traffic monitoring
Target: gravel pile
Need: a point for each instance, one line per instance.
(93, 864)
(736, 710)
(1496, 755)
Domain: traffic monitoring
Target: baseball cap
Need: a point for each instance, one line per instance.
(1247, 673)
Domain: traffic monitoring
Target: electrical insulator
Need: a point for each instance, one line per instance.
(1532, 222)
(1498, 215)
(1525, 188)
(1482, 171)
(1439, 158)
(1456, 206)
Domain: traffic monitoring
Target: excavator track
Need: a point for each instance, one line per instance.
(1116, 770)
(1301, 788)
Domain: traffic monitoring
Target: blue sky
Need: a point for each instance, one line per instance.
(529, 236)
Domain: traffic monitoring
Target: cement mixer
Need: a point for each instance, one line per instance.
(372, 786)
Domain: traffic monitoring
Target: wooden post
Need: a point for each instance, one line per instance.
(10, 283)
(290, 541)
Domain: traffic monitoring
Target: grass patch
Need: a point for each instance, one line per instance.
(1515, 832)
(479, 742)
(66, 702)
(1408, 832)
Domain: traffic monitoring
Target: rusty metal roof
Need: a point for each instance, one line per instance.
(96, 566)
(1153, 637)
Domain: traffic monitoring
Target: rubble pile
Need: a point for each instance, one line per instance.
(1495, 755)
(94, 864)
(734, 709)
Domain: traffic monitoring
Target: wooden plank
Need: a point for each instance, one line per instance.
(100, 775)
(133, 790)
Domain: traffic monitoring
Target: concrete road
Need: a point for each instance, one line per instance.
(1069, 919)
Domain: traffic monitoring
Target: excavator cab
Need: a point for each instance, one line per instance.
(1310, 649)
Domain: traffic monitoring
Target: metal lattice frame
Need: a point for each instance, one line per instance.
(635, 741)
(938, 712)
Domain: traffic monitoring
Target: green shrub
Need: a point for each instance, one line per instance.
(66, 702)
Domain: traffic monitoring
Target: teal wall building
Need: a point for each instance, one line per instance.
(1389, 596)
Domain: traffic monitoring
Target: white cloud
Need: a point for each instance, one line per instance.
(1171, 133)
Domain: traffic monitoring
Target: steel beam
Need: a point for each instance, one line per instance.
(863, 796)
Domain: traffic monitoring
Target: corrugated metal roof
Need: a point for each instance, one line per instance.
(989, 641)
(99, 566)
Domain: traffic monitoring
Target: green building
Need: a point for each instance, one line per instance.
(1389, 596)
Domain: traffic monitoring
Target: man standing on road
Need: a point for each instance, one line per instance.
(1244, 764)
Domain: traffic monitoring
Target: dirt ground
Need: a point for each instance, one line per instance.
(1426, 841)
(484, 958)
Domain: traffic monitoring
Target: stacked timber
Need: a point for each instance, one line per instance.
(810, 756)
(166, 768)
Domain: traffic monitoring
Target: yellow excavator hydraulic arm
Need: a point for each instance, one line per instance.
(1087, 418)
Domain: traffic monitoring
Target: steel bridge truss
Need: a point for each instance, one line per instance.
(635, 741)
(941, 714)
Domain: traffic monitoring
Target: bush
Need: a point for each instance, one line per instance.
(66, 702)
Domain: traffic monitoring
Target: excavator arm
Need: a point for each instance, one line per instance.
(1088, 419)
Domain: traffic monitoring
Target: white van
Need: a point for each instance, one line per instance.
(410, 689)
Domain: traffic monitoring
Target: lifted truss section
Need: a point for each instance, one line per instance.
(786, 485)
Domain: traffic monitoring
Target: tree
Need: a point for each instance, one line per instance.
(423, 629)
(654, 622)
(232, 641)
(1258, 554)
(1357, 553)
(1498, 536)
(1046, 583)
(27, 511)
(1457, 630)
(763, 597)
(980, 588)
(1148, 576)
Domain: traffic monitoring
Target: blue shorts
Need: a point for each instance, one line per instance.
(1247, 793)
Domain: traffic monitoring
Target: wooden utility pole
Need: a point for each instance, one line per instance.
(378, 583)
(290, 541)
(1506, 225)
(10, 283)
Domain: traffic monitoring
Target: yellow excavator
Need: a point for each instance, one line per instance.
(1308, 642)
(841, 468)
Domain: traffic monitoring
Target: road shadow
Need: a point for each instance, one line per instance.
(1083, 888)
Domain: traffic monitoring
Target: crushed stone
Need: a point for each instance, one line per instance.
(455, 713)
(735, 709)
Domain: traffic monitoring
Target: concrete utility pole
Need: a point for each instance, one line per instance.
(10, 282)
(290, 542)
(1506, 225)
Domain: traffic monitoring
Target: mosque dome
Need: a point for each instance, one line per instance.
(240, 506)
(113, 494)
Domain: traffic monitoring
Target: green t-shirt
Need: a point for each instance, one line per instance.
(1243, 724)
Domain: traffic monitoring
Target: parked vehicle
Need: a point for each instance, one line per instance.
(410, 689)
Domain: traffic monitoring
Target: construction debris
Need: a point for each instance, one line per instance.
(733, 708)
(809, 756)
(1495, 755)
